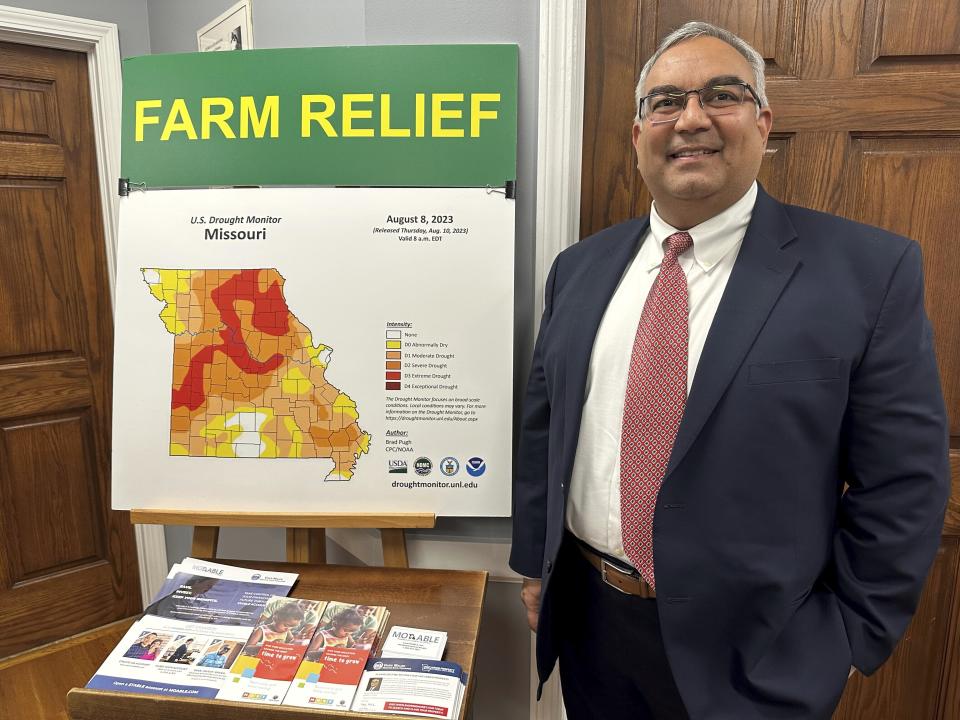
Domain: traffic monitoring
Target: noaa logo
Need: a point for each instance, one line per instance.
(397, 466)
(449, 466)
(476, 467)
(423, 466)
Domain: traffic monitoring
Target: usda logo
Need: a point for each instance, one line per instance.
(449, 466)
(476, 467)
(423, 466)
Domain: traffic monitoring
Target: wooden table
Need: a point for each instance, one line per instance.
(448, 600)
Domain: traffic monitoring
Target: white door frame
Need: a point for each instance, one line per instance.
(563, 29)
(100, 42)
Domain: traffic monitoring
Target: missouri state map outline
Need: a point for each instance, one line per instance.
(248, 379)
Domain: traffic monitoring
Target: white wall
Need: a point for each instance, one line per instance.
(276, 23)
(130, 17)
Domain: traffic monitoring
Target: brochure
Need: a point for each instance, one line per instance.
(424, 688)
(193, 631)
(329, 683)
(334, 662)
(407, 642)
(273, 651)
(208, 592)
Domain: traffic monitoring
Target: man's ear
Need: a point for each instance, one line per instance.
(765, 123)
(637, 129)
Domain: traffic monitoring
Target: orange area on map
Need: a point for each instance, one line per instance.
(248, 380)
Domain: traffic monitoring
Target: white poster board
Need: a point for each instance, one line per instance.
(314, 350)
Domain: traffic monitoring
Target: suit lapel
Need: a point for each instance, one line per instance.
(600, 280)
(758, 278)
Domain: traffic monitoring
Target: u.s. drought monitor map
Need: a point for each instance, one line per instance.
(248, 379)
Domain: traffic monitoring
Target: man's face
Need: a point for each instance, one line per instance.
(729, 148)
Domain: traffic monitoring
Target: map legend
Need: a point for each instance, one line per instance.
(394, 362)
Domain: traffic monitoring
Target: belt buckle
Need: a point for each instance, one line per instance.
(604, 565)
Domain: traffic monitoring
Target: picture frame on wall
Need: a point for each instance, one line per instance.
(231, 30)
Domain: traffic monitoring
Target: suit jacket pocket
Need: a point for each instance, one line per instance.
(794, 371)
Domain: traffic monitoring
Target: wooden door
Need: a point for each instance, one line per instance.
(67, 563)
(866, 102)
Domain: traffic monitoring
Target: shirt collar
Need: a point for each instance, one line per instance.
(712, 239)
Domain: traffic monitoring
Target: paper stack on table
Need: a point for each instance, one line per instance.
(192, 632)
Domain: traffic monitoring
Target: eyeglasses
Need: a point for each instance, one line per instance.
(664, 107)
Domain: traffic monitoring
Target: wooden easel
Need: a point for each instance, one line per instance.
(306, 536)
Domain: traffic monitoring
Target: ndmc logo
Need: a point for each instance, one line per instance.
(423, 466)
(449, 466)
(476, 467)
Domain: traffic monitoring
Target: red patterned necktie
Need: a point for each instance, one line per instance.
(653, 404)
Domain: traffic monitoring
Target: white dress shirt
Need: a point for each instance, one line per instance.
(593, 508)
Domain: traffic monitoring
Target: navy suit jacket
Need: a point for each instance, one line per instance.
(818, 374)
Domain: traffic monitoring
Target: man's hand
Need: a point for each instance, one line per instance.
(530, 595)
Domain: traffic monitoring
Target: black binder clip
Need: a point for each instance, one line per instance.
(124, 185)
(509, 190)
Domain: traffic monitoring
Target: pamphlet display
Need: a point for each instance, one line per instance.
(229, 633)
(193, 630)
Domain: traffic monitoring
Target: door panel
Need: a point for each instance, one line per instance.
(67, 563)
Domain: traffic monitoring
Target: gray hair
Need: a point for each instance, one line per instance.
(702, 29)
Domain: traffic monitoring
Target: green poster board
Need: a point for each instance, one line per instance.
(435, 116)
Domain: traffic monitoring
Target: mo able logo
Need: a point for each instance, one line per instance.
(476, 467)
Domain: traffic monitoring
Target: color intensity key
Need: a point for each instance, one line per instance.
(394, 359)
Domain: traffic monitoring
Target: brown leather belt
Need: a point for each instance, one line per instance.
(626, 582)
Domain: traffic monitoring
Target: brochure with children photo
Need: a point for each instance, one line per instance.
(328, 676)
(273, 651)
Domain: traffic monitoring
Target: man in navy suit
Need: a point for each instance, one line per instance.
(732, 470)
